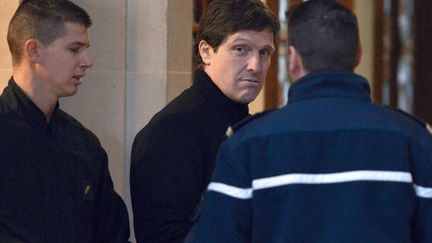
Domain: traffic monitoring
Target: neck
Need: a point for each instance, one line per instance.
(294, 78)
(33, 87)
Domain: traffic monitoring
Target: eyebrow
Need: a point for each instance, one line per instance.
(269, 47)
(248, 40)
(79, 43)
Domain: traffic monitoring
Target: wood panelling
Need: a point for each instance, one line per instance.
(378, 71)
(422, 60)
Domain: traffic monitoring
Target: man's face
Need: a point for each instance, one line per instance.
(240, 64)
(64, 61)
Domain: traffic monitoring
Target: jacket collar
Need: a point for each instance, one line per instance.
(330, 84)
(203, 82)
(27, 109)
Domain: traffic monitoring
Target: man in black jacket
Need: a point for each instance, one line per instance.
(54, 179)
(173, 156)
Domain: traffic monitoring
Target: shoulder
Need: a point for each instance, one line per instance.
(417, 130)
(413, 119)
(170, 125)
(188, 99)
(174, 115)
(76, 129)
(6, 102)
(236, 127)
(183, 111)
(3, 106)
(188, 103)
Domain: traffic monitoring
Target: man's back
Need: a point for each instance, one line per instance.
(328, 167)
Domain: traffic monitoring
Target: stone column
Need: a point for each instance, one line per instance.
(142, 52)
(7, 9)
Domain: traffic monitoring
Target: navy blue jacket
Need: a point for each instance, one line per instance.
(328, 167)
(54, 180)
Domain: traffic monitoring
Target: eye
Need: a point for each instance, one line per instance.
(240, 50)
(266, 52)
(75, 50)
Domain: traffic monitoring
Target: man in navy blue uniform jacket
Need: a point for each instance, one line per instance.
(328, 167)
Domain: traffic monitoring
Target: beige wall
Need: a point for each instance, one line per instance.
(6, 11)
(364, 11)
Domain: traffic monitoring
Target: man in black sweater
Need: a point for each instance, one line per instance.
(173, 155)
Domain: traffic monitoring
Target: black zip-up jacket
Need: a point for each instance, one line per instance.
(173, 158)
(54, 179)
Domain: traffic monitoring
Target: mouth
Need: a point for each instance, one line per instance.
(251, 81)
(78, 77)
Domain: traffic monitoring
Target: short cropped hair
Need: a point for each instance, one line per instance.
(226, 17)
(43, 20)
(325, 34)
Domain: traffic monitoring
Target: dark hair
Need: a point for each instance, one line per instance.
(325, 34)
(43, 20)
(225, 17)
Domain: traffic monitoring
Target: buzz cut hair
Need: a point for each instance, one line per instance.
(43, 20)
(326, 35)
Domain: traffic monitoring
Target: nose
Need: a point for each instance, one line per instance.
(86, 60)
(254, 63)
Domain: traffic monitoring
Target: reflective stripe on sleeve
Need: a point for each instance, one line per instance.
(237, 192)
(424, 192)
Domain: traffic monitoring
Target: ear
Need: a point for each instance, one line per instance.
(359, 52)
(296, 69)
(32, 50)
(205, 51)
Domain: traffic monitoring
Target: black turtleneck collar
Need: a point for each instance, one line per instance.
(26, 107)
(212, 92)
(330, 84)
